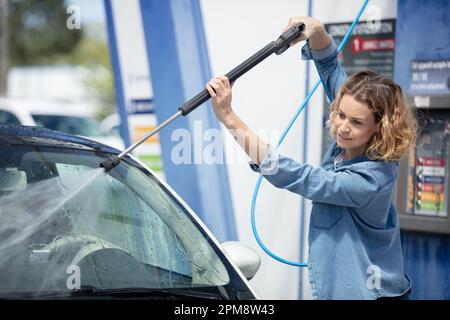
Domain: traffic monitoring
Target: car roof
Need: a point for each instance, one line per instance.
(12, 134)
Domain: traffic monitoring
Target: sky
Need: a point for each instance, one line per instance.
(91, 10)
(93, 18)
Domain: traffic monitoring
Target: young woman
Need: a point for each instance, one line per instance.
(354, 237)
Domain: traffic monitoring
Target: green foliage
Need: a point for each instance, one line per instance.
(90, 51)
(94, 54)
(100, 85)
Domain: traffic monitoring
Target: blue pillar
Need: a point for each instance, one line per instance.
(179, 69)
(115, 64)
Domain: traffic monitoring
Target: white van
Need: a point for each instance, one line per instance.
(65, 117)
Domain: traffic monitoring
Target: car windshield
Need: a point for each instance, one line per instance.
(83, 126)
(66, 224)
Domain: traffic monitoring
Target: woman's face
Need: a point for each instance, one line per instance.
(355, 126)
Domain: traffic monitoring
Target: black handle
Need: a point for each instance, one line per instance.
(278, 46)
(233, 75)
(284, 41)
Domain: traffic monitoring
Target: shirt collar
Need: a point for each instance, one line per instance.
(338, 150)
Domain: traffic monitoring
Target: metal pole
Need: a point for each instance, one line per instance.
(4, 48)
(148, 135)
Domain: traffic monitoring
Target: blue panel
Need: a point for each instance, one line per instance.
(114, 55)
(427, 263)
(179, 69)
(422, 32)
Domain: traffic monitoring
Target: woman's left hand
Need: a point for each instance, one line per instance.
(314, 31)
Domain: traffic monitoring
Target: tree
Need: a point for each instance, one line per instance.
(38, 32)
(4, 53)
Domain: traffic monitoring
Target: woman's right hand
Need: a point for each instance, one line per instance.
(220, 90)
(314, 31)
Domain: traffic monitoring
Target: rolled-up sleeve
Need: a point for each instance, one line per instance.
(330, 70)
(269, 165)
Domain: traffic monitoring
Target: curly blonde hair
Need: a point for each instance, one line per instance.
(397, 123)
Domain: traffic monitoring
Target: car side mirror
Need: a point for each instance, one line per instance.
(244, 257)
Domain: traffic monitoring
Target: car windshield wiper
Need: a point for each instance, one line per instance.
(119, 293)
(139, 292)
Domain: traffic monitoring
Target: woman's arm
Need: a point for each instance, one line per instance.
(347, 188)
(220, 90)
(354, 187)
(321, 48)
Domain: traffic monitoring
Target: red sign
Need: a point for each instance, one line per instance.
(360, 44)
(429, 161)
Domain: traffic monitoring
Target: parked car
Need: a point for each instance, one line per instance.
(70, 230)
(111, 124)
(65, 117)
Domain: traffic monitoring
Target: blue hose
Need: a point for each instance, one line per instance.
(294, 118)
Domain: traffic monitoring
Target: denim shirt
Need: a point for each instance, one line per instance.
(354, 234)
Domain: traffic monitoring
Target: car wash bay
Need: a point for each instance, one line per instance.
(180, 65)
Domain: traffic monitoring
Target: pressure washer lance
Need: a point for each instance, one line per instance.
(278, 46)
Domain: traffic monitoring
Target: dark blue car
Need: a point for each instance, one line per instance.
(70, 230)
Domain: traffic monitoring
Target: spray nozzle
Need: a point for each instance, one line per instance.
(110, 163)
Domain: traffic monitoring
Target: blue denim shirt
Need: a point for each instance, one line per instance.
(354, 234)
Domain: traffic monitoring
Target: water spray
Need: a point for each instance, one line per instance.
(278, 46)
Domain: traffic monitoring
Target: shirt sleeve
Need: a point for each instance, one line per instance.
(269, 165)
(327, 64)
(343, 188)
